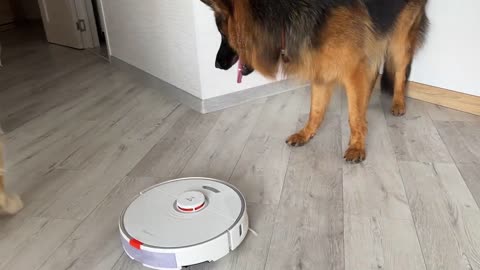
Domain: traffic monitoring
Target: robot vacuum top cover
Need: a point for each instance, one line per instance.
(184, 222)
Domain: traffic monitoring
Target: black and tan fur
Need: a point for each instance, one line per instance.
(327, 42)
(9, 203)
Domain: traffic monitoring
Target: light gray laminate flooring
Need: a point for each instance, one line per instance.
(83, 138)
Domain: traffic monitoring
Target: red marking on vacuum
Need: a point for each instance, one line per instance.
(192, 209)
(199, 207)
(135, 243)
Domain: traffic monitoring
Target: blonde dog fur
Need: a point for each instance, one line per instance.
(9, 203)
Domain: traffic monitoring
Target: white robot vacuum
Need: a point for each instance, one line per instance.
(184, 222)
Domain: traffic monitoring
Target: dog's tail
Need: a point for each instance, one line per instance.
(404, 43)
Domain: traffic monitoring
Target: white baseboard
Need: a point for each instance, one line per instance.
(212, 104)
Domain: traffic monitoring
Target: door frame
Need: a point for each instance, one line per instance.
(93, 24)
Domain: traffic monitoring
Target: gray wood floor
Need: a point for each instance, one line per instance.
(84, 138)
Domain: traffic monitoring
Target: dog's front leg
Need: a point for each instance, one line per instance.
(359, 87)
(320, 98)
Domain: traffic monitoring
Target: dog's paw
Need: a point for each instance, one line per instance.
(299, 139)
(398, 109)
(11, 205)
(355, 155)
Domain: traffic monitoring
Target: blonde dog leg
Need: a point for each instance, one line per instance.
(10, 204)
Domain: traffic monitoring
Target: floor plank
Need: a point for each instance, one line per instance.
(414, 136)
(46, 97)
(36, 239)
(446, 216)
(374, 188)
(37, 148)
(81, 195)
(218, 154)
(43, 133)
(95, 244)
(177, 147)
(146, 120)
(308, 231)
(306, 239)
(440, 113)
(39, 197)
(373, 243)
(260, 172)
(17, 107)
(379, 230)
(462, 139)
(471, 174)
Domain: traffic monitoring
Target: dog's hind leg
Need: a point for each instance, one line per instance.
(405, 40)
(320, 98)
(9, 204)
(401, 60)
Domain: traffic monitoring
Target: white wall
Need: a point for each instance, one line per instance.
(451, 56)
(176, 41)
(157, 36)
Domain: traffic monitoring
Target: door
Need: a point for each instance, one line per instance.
(66, 23)
(6, 13)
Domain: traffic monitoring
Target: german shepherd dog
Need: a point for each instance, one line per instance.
(9, 204)
(326, 42)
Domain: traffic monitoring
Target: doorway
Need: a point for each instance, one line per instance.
(77, 24)
(102, 48)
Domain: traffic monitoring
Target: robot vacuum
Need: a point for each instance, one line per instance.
(184, 222)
